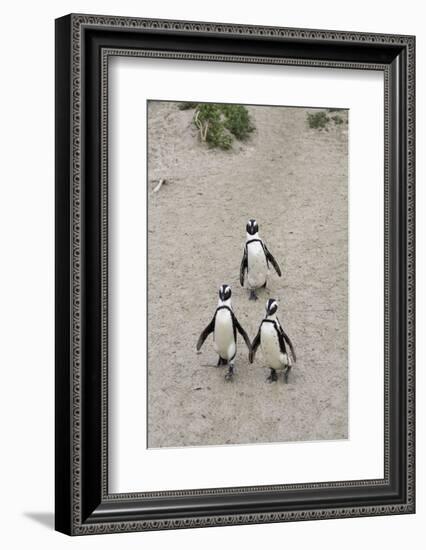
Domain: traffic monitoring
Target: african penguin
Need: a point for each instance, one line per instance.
(272, 339)
(255, 262)
(224, 326)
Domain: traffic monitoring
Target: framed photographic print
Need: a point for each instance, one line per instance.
(234, 274)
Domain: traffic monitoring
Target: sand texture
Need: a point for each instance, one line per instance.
(293, 180)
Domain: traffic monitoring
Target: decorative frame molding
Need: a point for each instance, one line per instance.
(84, 43)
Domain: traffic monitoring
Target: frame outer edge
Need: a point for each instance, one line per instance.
(63, 495)
(77, 22)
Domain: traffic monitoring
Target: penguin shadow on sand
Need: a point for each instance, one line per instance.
(271, 337)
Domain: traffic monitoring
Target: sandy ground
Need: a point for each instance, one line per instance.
(293, 180)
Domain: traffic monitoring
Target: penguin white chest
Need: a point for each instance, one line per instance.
(257, 266)
(224, 342)
(270, 346)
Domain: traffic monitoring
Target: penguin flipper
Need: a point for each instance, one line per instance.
(208, 330)
(287, 339)
(242, 332)
(290, 345)
(254, 345)
(243, 266)
(272, 260)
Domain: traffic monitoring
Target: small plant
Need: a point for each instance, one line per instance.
(219, 123)
(337, 119)
(318, 120)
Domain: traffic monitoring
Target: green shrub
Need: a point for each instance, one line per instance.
(318, 120)
(219, 123)
(237, 121)
(208, 120)
(337, 119)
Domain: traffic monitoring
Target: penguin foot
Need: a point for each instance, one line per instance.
(273, 377)
(229, 376)
(221, 362)
(253, 295)
(286, 373)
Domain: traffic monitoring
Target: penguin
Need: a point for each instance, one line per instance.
(272, 339)
(224, 326)
(255, 262)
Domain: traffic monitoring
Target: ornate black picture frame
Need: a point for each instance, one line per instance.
(84, 44)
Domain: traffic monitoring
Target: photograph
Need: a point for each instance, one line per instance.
(247, 273)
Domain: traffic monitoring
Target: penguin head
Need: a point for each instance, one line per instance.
(271, 307)
(225, 293)
(252, 227)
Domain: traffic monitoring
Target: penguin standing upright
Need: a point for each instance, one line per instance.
(255, 262)
(224, 326)
(272, 340)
